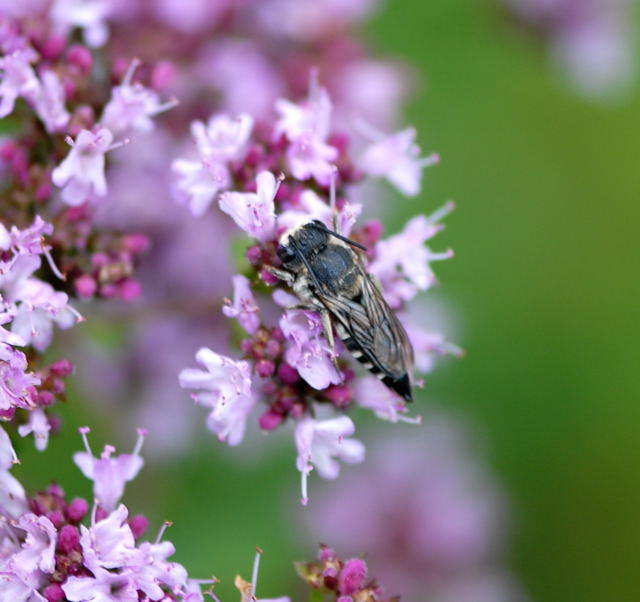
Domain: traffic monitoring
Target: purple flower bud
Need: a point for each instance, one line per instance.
(54, 593)
(46, 399)
(339, 395)
(162, 75)
(53, 47)
(77, 509)
(268, 277)
(273, 348)
(81, 57)
(138, 524)
(62, 368)
(326, 553)
(254, 255)
(265, 368)
(352, 576)
(129, 290)
(56, 517)
(136, 243)
(288, 374)
(55, 490)
(58, 387)
(85, 286)
(270, 420)
(68, 539)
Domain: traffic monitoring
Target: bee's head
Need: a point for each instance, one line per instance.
(288, 255)
(303, 240)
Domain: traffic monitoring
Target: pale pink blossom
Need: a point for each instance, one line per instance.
(109, 473)
(13, 500)
(18, 80)
(109, 543)
(370, 393)
(307, 348)
(310, 206)
(306, 126)
(402, 261)
(37, 551)
(396, 157)
(198, 184)
(244, 307)
(321, 443)
(38, 424)
(224, 386)
(132, 106)
(306, 20)
(81, 174)
(15, 381)
(88, 15)
(49, 103)
(254, 212)
(223, 138)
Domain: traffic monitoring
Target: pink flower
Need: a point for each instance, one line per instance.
(244, 307)
(396, 157)
(434, 506)
(104, 586)
(254, 212)
(152, 569)
(18, 79)
(38, 424)
(319, 443)
(15, 381)
(311, 206)
(132, 106)
(13, 501)
(109, 474)
(401, 262)
(222, 139)
(370, 393)
(37, 553)
(225, 388)
(306, 126)
(82, 172)
(49, 103)
(198, 184)
(307, 348)
(39, 307)
(109, 543)
(88, 15)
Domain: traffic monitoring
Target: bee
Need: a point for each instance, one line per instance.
(326, 272)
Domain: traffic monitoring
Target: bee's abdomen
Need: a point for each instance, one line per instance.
(400, 385)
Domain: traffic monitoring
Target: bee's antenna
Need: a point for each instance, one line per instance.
(353, 243)
(292, 242)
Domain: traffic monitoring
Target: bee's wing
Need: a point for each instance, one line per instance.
(374, 327)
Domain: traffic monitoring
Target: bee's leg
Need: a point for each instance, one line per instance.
(328, 333)
(287, 277)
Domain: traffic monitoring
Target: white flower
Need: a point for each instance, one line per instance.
(319, 443)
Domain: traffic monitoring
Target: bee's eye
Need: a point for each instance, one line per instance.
(285, 254)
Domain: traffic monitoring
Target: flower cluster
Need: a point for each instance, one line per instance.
(592, 41)
(57, 549)
(193, 53)
(62, 119)
(288, 364)
(54, 549)
(435, 527)
(29, 309)
(342, 580)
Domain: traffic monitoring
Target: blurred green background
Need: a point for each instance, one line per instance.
(545, 287)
